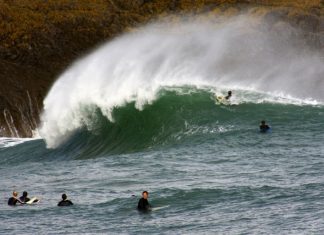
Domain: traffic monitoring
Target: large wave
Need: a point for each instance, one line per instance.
(179, 117)
(124, 80)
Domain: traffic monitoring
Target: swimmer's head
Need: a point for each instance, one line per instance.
(145, 194)
(25, 194)
(229, 92)
(263, 122)
(64, 196)
(15, 194)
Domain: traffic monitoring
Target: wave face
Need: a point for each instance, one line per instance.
(125, 92)
(182, 117)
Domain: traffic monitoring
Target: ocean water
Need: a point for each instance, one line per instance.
(134, 116)
(207, 162)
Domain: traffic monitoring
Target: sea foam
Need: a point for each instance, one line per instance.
(237, 54)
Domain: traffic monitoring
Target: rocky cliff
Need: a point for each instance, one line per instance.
(40, 38)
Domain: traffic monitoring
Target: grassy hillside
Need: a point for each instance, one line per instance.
(40, 38)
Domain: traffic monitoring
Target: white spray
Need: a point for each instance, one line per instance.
(236, 54)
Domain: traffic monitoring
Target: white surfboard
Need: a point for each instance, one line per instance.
(32, 200)
(221, 100)
(159, 208)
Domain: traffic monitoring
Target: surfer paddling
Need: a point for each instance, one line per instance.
(264, 127)
(143, 204)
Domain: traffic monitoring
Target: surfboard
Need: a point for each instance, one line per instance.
(159, 208)
(221, 100)
(32, 200)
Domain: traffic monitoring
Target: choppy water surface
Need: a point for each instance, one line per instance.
(216, 173)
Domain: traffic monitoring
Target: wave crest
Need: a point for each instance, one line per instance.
(134, 68)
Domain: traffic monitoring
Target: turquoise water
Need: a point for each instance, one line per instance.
(207, 162)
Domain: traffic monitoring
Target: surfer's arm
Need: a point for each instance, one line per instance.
(18, 200)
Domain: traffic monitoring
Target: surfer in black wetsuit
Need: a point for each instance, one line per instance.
(14, 199)
(64, 201)
(143, 204)
(264, 127)
(229, 94)
(24, 197)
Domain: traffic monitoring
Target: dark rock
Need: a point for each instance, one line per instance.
(309, 23)
(274, 16)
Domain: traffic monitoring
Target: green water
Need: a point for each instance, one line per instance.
(207, 162)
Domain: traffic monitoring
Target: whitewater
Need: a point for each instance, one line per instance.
(236, 54)
(139, 113)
